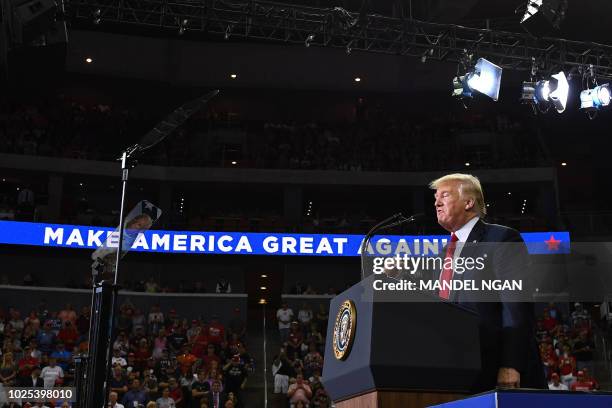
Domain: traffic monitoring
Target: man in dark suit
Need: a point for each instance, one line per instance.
(509, 354)
(216, 399)
(34, 380)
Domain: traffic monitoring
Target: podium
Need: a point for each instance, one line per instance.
(533, 398)
(392, 352)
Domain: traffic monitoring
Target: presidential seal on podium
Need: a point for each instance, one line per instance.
(344, 329)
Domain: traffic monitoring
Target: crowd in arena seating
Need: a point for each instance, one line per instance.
(160, 360)
(63, 127)
(567, 349)
(298, 365)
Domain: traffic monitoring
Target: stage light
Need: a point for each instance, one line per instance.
(595, 98)
(467, 164)
(263, 288)
(546, 93)
(263, 275)
(262, 301)
(233, 76)
(357, 79)
(88, 60)
(563, 164)
(485, 78)
(234, 163)
(543, 16)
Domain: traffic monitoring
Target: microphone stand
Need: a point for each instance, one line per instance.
(390, 222)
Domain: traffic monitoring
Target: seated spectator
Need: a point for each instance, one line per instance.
(46, 339)
(548, 322)
(299, 391)
(8, 370)
(150, 385)
(186, 361)
(216, 398)
(67, 315)
(27, 363)
(315, 382)
(122, 343)
(166, 401)
(199, 343)
(295, 339)
(51, 373)
(118, 382)
(34, 380)
(567, 366)
(138, 321)
(555, 383)
(210, 357)
(177, 340)
(321, 399)
(155, 319)
(199, 389)
(589, 377)
(176, 393)
(580, 317)
(581, 383)
(583, 351)
(160, 344)
(136, 395)
(216, 331)
(313, 361)
(112, 400)
(62, 356)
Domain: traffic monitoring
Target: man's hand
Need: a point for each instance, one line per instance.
(508, 378)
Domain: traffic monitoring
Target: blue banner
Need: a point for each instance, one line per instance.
(238, 243)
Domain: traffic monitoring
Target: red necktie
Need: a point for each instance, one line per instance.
(447, 272)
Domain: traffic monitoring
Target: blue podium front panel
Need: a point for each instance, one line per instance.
(532, 399)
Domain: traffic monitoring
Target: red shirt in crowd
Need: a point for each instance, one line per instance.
(216, 333)
(584, 385)
(567, 365)
(549, 323)
(26, 365)
(200, 343)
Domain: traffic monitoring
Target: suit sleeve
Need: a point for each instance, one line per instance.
(512, 263)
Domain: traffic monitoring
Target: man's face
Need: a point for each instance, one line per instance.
(136, 384)
(451, 208)
(216, 387)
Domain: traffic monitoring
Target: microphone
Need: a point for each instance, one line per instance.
(390, 222)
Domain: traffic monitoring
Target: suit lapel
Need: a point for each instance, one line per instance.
(469, 250)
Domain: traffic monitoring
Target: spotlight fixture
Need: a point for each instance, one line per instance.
(546, 93)
(88, 60)
(484, 78)
(543, 16)
(564, 164)
(357, 79)
(233, 76)
(595, 98)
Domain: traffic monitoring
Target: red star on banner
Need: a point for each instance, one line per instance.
(552, 243)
